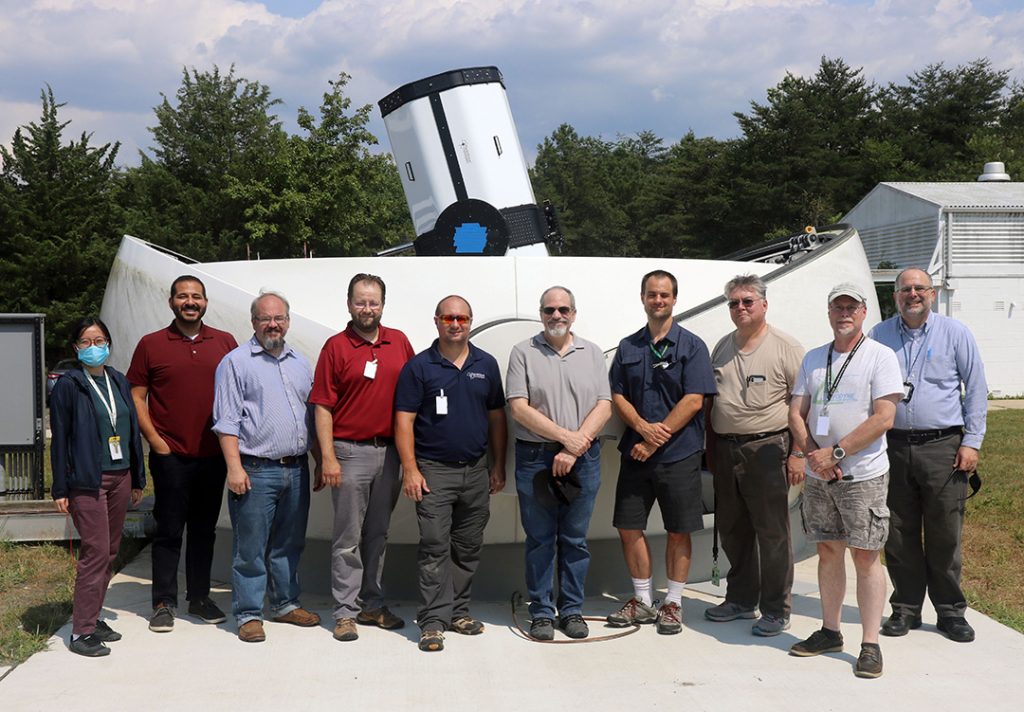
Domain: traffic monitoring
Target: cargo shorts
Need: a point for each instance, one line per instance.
(854, 513)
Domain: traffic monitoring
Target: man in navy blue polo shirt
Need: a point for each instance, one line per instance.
(449, 407)
(659, 378)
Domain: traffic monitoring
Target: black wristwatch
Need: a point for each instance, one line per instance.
(838, 453)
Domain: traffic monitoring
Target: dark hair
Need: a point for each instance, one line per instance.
(187, 278)
(84, 323)
(372, 279)
(660, 274)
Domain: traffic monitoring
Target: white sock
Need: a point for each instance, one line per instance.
(675, 592)
(642, 591)
(74, 637)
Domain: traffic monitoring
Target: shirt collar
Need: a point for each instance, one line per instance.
(383, 336)
(255, 347)
(540, 342)
(174, 333)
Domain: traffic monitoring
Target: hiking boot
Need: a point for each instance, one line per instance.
(729, 611)
(465, 625)
(633, 613)
(345, 629)
(162, 620)
(821, 641)
(900, 623)
(574, 626)
(431, 640)
(956, 628)
(105, 634)
(300, 617)
(769, 625)
(869, 663)
(542, 629)
(381, 617)
(252, 632)
(670, 619)
(89, 645)
(206, 610)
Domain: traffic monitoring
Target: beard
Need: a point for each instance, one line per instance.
(557, 331)
(271, 342)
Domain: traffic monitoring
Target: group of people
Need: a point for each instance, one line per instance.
(885, 428)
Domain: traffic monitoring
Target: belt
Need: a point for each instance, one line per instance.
(375, 441)
(550, 447)
(288, 461)
(460, 463)
(916, 437)
(751, 438)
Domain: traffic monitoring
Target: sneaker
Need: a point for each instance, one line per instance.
(729, 611)
(821, 641)
(900, 623)
(345, 629)
(633, 613)
(300, 617)
(769, 625)
(105, 634)
(252, 631)
(542, 629)
(89, 645)
(467, 626)
(670, 619)
(956, 628)
(869, 663)
(162, 620)
(573, 625)
(206, 610)
(431, 640)
(381, 617)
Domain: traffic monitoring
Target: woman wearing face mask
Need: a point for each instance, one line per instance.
(96, 453)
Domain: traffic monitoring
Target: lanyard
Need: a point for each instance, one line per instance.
(830, 387)
(660, 355)
(112, 406)
(906, 353)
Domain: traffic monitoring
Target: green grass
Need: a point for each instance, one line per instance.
(36, 587)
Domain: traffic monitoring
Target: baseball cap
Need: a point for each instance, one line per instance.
(846, 289)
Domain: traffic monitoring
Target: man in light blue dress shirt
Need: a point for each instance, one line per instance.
(933, 449)
(265, 425)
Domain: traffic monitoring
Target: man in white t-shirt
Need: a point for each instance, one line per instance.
(843, 403)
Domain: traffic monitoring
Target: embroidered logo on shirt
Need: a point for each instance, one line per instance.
(472, 375)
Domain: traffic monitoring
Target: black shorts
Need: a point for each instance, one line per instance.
(675, 485)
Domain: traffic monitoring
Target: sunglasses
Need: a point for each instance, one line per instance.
(564, 311)
(449, 319)
(747, 302)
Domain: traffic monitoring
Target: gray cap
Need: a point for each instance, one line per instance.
(846, 289)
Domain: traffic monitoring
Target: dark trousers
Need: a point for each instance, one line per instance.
(99, 519)
(188, 492)
(452, 517)
(923, 500)
(752, 512)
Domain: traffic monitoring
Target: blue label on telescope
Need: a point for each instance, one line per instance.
(470, 239)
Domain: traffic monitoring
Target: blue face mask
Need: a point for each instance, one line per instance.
(94, 355)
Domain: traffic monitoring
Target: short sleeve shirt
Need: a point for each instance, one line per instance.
(655, 377)
(564, 388)
(470, 393)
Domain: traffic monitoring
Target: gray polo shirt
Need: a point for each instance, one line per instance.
(563, 388)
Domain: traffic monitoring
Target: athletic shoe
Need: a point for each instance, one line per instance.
(381, 617)
(729, 611)
(769, 625)
(465, 625)
(573, 625)
(105, 634)
(670, 619)
(542, 629)
(633, 613)
(345, 629)
(162, 620)
(206, 610)
(821, 641)
(431, 641)
(89, 645)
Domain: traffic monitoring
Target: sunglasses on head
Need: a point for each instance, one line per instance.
(564, 311)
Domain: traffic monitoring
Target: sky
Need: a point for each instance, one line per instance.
(607, 67)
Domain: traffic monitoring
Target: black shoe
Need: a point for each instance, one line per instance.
(542, 629)
(206, 610)
(162, 620)
(574, 626)
(821, 641)
(89, 645)
(956, 628)
(105, 634)
(900, 624)
(869, 664)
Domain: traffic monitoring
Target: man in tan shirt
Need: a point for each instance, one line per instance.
(748, 441)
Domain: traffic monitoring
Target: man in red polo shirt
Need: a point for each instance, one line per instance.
(354, 395)
(171, 375)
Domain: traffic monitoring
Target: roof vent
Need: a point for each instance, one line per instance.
(995, 171)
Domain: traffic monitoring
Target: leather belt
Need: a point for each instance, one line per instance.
(916, 437)
(751, 438)
(288, 461)
(375, 441)
(549, 447)
(461, 463)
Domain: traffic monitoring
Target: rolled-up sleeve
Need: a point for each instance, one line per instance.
(227, 399)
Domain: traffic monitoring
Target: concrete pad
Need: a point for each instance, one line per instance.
(709, 666)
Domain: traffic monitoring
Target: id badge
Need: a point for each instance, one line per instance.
(370, 369)
(441, 403)
(821, 427)
(908, 391)
(114, 443)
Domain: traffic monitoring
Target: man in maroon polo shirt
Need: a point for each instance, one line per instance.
(354, 394)
(171, 375)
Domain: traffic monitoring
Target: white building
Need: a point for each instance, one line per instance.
(970, 238)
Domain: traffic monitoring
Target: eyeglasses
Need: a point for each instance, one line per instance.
(564, 311)
(280, 319)
(747, 302)
(369, 306)
(910, 288)
(849, 309)
(449, 319)
(86, 343)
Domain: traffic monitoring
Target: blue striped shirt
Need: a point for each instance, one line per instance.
(937, 359)
(263, 401)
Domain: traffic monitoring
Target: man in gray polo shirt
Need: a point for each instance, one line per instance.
(557, 390)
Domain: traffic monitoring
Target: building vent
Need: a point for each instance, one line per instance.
(1000, 306)
(957, 306)
(992, 172)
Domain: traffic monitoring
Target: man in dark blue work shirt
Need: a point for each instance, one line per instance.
(659, 378)
(449, 407)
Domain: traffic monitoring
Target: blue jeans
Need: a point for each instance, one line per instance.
(269, 523)
(560, 529)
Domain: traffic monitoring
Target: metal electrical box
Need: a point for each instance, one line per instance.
(22, 399)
